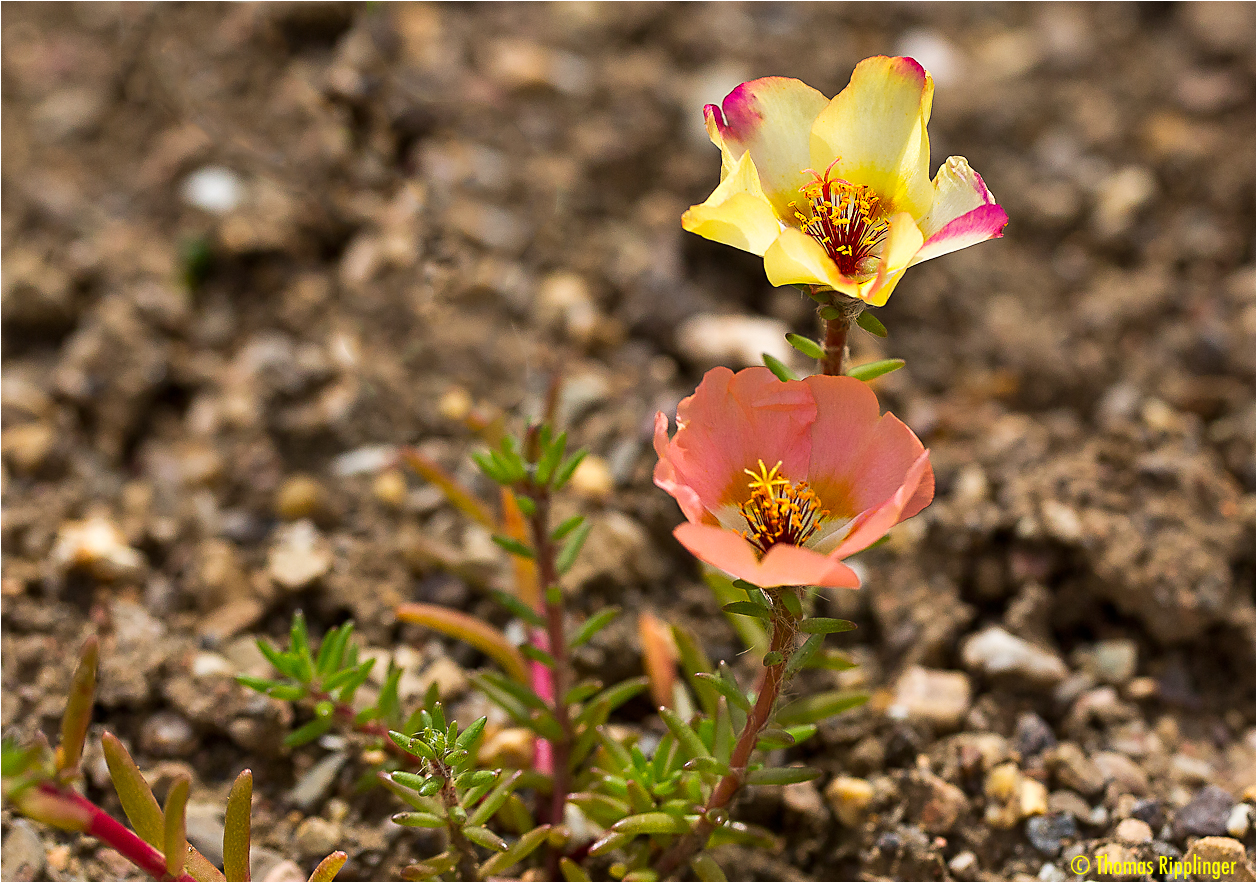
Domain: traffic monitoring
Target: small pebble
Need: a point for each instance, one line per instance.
(300, 496)
(1237, 822)
(1033, 798)
(315, 837)
(168, 735)
(510, 747)
(98, 546)
(1221, 849)
(23, 856)
(1133, 831)
(734, 340)
(213, 189)
(1047, 831)
(963, 864)
(1033, 735)
(592, 479)
(1075, 770)
(1050, 873)
(998, 654)
(315, 784)
(938, 698)
(849, 798)
(1205, 815)
(390, 488)
(1003, 782)
(299, 556)
(455, 404)
(1115, 661)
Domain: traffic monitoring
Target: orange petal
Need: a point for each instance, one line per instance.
(783, 565)
(917, 490)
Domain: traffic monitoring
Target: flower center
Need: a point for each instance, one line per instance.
(847, 219)
(779, 511)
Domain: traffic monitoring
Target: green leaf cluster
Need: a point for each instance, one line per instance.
(452, 793)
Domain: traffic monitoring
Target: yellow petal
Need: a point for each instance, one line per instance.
(903, 241)
(737, 212)
(876, 129)
(798, 259)
(770, 118)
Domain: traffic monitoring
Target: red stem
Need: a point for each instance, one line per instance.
(560, 751)
(785, 627)
(115, 835)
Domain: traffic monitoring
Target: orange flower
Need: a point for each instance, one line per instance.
(779, 480)
(837, 194)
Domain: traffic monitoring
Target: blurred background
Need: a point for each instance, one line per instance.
(249, 248)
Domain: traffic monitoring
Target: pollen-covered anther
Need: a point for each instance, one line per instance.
(847, 219)
(779, 511)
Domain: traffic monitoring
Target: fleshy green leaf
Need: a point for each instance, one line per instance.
(484, 837)
(774, 737)
(871, 324)
(593, 625)
(806, 345)
(237, 828)
(872, 370)
(571, 549)
(572, 872)
(748, 608)
(514, 546)
(728, 690)
(781, 776)
(706, 869)
(519, 608)
(136, 797)
(329, 867)
(778, 367)
(567, 527)
(800, 657)
(817, 707)
(822, 625)
(688, 739)
(516, 852)
(78, 708)
(651, 823)
(174, 825)
(564, 473)
(308, 732)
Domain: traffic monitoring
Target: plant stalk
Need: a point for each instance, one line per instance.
(834, 359)
(785, 629)
(468, 863)
(560, 751)
(117, 836)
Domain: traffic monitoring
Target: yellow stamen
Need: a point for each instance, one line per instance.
(847, 219)
(779, 511)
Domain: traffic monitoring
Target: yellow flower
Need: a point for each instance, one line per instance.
(837, 194)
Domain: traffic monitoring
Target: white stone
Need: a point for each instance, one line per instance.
(737, 341)
(213, 189)
(996, 653)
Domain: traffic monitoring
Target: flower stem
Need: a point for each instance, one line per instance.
(560, 750)
(468, 863)
(785, 629)
(834, 359)
(104, 828)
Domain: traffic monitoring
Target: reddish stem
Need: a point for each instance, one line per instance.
(785, 627)
(556, 646)
(834, 358)
(115, 835)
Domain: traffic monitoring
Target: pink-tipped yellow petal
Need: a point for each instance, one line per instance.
(770, 118)
(964, 212)
(876, 128)
(737, 213)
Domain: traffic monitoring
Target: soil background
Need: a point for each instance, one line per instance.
(249, 249)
